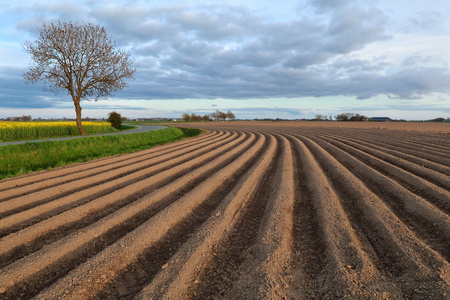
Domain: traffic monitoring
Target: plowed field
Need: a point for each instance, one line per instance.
(247, 210)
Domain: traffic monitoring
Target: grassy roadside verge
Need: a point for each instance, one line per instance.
(25, 158)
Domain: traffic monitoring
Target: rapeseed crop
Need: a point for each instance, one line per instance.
(13, 131)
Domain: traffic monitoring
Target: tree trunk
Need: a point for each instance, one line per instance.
(78, 113)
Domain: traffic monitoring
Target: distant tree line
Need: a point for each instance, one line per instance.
(215, 116)
(440, 120)
(22, 118)
(323, 118)
(350, 117)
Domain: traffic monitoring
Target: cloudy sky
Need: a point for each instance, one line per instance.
(259, 58)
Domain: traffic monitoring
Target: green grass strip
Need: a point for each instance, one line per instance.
(25, 158)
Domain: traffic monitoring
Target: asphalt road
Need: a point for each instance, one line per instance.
(137, 130)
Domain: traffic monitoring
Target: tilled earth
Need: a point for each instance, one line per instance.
(248, 210)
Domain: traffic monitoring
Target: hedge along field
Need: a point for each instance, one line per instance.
(13, 131)
(21, 159)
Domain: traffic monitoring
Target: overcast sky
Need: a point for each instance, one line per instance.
(259, 58)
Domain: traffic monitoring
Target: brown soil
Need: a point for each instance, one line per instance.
(256, 210)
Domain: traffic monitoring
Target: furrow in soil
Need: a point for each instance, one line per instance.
(427, 221)
(181, 277)
(26, 217)
(34, 237)
(138, 246)
(407, 260)
(257, 210)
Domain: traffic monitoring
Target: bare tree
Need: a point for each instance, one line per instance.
(22, 118)
(230, 115)
(221, 115)
(78, 58)
(186, 117)
(196, 118)
(344, 116)
(214, 116)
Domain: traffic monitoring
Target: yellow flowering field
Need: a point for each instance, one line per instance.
(12, 131)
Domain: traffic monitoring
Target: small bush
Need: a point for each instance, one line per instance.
(115, 119)
(190, 131)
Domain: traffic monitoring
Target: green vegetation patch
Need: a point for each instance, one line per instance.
(24, 158)
(18, 131)
(191, 131)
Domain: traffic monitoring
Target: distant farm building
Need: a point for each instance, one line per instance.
(381, 119)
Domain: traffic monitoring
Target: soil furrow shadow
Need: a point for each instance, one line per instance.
(391, 248)
(309, 248)
(421, 158)
(106, 191)
(137, 275)
(426, 229)
(218, 278)
(59, 233)
(433, 176)
(406, 178)
(48, 275)
(386, 260)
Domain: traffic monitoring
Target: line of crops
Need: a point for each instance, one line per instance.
(13, 131)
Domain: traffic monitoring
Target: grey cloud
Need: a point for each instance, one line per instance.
(214, 23)
(359, 79)
(347, 66)
(329, 5)
(407, 83)
(217, 51)
(425, 20)
(14, 93)
(50, 11)
(353, 28)
(304, 59)
(420, 81)
(175, 24)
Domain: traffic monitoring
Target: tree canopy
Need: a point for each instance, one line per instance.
(80, 59)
